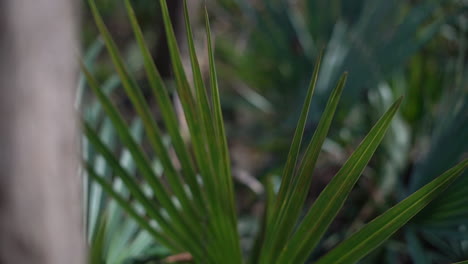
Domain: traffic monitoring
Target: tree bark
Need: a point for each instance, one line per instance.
(40, 209)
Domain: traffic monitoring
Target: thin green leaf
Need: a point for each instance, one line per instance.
(290, 208)
(168, 113)
(97, 248)
(220, 216)
(288, 172)
(134, 188)
(89, 57)
(218, 118)
(380, 229)
(131, 211)
(462, 262)
(332, 198)
(199, 140)
(267, 214)
(227, 225)
(200, 91)
(203, 107)
(96, 199)
(221, 144)
(177, 219)
(152, 130)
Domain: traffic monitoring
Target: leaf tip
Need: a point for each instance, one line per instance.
(399, 100)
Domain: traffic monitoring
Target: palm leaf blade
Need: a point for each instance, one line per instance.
(142, 108)
(381, 228)
(178, 220)
(167, 111)
(222, 146)
(290, 208)
(332, 198)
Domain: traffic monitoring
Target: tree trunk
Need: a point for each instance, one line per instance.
(40, 209)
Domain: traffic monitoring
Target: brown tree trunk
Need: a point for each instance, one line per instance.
(40, 209)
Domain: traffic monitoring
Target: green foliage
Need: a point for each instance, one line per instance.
(390, 47)
(373, 38)
(181, 193)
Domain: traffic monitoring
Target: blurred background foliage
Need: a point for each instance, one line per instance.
(265, 51)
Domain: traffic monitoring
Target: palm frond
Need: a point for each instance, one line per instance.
(192, 209)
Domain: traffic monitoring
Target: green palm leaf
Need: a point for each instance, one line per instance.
(332, 198)
(192, 209)
(381, 228)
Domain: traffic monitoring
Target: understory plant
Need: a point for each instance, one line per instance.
(181, 191)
